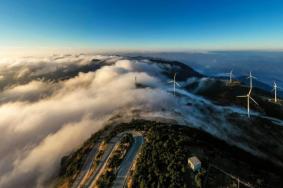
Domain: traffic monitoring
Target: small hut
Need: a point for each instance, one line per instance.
(194, 163)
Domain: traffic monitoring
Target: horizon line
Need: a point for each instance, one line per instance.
(35, 51)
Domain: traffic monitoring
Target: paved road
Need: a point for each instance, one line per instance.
(103, 160)
(85, 169)
(126, 165)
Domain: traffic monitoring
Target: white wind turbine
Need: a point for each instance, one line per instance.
(230, 74)
(251, 80)
(248, 96)
(275, 87)
(174, 83)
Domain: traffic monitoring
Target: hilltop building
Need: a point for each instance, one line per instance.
(194, 163)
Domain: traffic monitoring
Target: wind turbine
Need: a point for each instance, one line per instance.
(275, 87)
(248, 96)
(251, 80)
(230, 74)
(174, 83)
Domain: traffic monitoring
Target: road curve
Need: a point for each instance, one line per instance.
(126, 165)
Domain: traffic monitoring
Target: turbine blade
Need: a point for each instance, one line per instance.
(249, 93)
(253, 100)
(177, 84)
(170, 82)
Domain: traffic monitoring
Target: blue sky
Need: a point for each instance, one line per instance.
(142, 24)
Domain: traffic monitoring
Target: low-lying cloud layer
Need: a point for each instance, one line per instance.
(41, 121)
(50, 106)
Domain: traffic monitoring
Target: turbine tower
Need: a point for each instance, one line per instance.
(248, 96)
(230, 74)
(174, 83)
(251, 80)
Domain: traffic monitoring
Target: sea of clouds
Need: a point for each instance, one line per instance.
(44, 117)
(43, 120)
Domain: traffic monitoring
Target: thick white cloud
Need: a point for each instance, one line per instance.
(31, 91)
(41, 121)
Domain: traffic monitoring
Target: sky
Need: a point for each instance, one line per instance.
(141, 25)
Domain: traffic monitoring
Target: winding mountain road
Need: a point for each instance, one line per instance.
(126, 165)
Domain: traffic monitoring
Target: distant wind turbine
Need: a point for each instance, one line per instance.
(174, 83)
(251, 80)
(230, 74)
(248, 96)
(275, 88)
